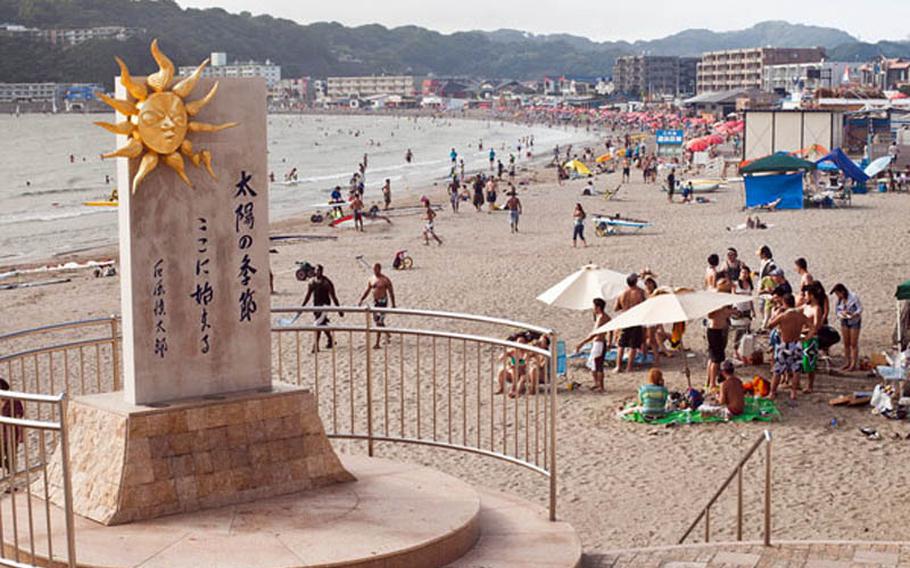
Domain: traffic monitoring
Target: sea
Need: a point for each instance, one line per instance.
(51, 166)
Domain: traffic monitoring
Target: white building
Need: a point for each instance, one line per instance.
(793, 77)
(29, 92)
(268, 70)
(369, 85)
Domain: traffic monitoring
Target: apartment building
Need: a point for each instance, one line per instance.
(370, 85)
(744, 68)
(218, 67)
(70, 37)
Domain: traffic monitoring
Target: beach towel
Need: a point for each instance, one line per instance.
(756, 410)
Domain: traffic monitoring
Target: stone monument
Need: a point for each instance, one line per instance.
(198, 423)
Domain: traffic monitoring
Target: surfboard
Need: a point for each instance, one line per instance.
(100, 203)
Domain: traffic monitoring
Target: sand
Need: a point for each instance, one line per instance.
(620, 484)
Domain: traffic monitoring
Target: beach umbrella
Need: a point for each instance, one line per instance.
(878, 166)
(668, 306)
(576, 291)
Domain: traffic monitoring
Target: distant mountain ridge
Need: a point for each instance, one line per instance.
(329, 48)
(694, 42)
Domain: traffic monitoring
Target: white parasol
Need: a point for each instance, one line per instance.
(577, 290)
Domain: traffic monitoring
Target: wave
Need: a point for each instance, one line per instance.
(39, 217)
(57, 191)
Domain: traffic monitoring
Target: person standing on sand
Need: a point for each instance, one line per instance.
(514, 207)
(357, 212)
(454, 199)
(478, 193)
(788, 354)
(578, 231)
(387, 193)
(428, 229)
(671, 183)
(454, 156)
(849, 311)
(492, 158)
(718, 328)
(598, 344)
(630, 338)
(491, 194)
(383, 292)
(626, 170)
(322, 290)
(408, 156)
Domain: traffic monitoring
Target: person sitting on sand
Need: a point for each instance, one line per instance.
(652, 396)
(513, 368)
(538, 366)
(732, 394)
(598, 344)
(788, 354)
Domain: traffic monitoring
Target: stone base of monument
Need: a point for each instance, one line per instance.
(394, 515)
(131, 463)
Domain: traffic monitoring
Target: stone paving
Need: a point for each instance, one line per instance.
(834, 554)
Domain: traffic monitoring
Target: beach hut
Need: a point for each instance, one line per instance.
(777, 178)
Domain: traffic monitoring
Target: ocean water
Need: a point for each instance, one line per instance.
(50, 165)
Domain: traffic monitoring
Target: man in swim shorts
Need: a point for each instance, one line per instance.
(718, 328)
(514, 207)
(788, 354)
(381, 288)
(630, 338)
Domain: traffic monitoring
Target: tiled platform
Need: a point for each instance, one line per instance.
(816, 554)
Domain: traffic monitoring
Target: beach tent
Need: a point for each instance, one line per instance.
(877, 166)
(764, 189)
(776, 163)
(579, 167)
(846, 165)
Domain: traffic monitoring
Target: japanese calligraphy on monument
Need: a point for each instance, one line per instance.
(195, 266)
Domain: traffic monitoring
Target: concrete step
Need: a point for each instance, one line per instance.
(514, 532)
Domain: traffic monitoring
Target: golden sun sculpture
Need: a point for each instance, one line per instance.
(158, 121)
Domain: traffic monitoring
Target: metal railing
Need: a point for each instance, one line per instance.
(27, 514)
(433, 387)
(432, 383)
(737, 474)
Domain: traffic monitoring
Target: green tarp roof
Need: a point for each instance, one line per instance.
(778, 163)
(903, 291)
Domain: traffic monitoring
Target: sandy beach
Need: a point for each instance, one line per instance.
(621, 484)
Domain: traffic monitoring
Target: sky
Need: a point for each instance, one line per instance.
(600, 20)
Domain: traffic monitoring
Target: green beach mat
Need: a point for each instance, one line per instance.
(757, 410)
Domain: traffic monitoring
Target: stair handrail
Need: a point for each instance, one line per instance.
(764, 438)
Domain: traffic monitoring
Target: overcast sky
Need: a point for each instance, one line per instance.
(870, 20)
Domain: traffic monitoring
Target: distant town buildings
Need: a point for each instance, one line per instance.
(792, 77)
(886, 74)
(371, 85)
(218, 67)
(655, 75)
(70, 37)
(50, 97)
(744, 68)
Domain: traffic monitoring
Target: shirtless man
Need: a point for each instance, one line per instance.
(718, 328)
(382, 290)
(632, 337)
(514, 207)
(711, 272)
(428, 229)
(814, 310)
(322, 290)
(788, 354)
(804, 279)
(387, 193)
(598, 345)
(357, 211)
